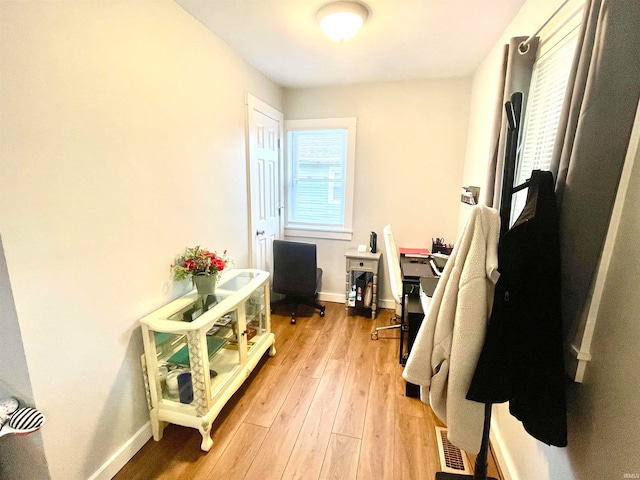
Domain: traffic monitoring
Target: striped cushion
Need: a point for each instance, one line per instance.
(26, 419)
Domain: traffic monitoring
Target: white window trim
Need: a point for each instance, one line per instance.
(350, 124)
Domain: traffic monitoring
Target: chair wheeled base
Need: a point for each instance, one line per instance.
(295, 302)
(395, 324)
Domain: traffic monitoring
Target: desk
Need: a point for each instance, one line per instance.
(412, 311)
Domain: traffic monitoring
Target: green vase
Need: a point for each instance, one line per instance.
(205, 284)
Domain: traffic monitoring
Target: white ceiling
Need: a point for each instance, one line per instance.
(402, 40)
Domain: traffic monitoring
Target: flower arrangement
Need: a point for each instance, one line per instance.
(197, 261)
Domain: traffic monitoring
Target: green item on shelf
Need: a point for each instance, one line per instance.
(162, 337)
(181, 357)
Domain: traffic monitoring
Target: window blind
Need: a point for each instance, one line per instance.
(318, 163)
(542, 114)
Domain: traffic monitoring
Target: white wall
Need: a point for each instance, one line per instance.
(122, 143)
(604, 410)
(409, 159)
(604, 440)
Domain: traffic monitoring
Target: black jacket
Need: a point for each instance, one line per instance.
(522, 359)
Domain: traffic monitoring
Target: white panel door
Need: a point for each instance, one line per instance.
(265, 180)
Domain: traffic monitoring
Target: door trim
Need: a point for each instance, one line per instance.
(254, 103)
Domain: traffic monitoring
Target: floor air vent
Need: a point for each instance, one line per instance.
(452, 459)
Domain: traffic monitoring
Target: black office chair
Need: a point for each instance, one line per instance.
(296, 275)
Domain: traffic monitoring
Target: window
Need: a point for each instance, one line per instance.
(544, 105)
(320, 177)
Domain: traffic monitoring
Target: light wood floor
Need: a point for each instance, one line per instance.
(329, 405)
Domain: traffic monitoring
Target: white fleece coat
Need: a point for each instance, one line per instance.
(446, 350)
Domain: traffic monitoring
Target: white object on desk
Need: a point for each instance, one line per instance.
(435, 268)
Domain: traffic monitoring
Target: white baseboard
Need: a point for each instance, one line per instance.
(125, 453)
(331, 297)
(339, 298)
(503, 459)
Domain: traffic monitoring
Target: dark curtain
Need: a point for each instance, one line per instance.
(592, 142)
(515, 76)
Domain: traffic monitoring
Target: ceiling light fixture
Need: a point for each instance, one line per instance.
(341, 21)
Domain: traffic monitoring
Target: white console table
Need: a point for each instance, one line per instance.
(218, 339)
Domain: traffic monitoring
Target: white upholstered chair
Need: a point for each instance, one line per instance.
(395, 279)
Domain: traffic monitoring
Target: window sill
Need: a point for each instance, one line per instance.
(329, 234)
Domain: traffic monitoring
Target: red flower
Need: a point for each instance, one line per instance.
(198, 261)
